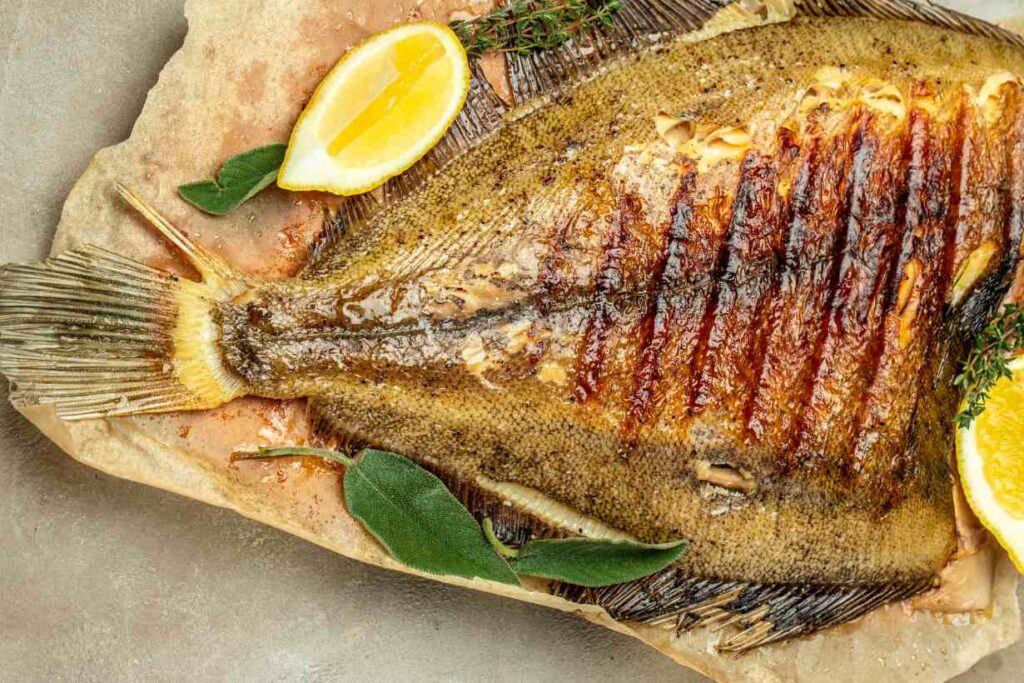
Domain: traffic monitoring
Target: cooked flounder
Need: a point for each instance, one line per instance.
(708, 290)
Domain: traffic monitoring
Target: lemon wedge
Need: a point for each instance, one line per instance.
(383, 106)
(990, 456)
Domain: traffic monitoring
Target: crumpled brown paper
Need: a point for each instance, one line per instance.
(240, 80)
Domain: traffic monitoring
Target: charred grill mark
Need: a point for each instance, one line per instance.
(940, 249)
(750, 275)
(982, 206)
(1004, 141)
(1012, 147)
(1004, 154)
(838, 242)
(550, 281)
(932, 211)
(766, 314)
(798, 195)
(909, 174)
(818, 200)
(655, 325)
(1015, 164)
(961, 173)
(854, 320)
(591, 359)
(746, 196)
(687, 288)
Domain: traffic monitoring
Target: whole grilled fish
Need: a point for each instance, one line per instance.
(709, 290)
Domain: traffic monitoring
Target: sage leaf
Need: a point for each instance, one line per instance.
(240, 178)
(594, 563)
(414, 516)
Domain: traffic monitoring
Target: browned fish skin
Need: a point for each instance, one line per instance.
(784, 313)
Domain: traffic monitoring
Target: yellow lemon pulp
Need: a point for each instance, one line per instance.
(380, 109)
(1000, 439)
(990, 455)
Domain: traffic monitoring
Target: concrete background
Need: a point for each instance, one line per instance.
(106, 580)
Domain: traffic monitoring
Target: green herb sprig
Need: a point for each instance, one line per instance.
(422, 525)
(527, 25)
(989, 361)
(240, 178)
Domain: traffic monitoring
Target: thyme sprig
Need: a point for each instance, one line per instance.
(527, 25)
(989, 361)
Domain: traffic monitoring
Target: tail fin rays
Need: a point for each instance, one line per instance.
(99, 335)
(209, 265)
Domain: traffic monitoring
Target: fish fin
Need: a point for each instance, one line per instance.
(323, 431)
(754, 614)
(633, 27)
(908, 10)
(749, 614)
(98, 334)
(482, 114)
(209, 265)
(639, 23)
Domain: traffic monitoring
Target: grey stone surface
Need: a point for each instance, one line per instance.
(106, 580)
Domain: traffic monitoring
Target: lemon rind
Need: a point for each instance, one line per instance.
(1006, 529)
(403, 163)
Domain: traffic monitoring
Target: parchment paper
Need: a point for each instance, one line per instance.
(240, 80)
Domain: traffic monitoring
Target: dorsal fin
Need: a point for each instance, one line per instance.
(634, 26)
(908, 10)
(483, 114)
(639, 23)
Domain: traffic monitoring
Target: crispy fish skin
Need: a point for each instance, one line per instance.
(610, 327)
(741, 333)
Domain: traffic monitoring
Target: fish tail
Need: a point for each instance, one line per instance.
(97, 334)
